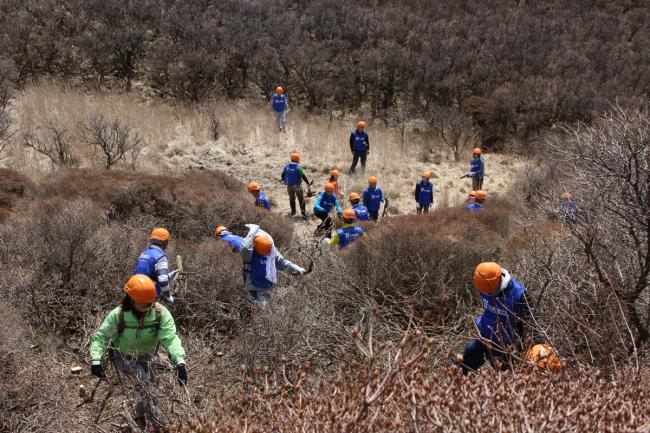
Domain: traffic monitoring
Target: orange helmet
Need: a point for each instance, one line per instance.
(262, 245)
(477, 151)
(159, 234)
(335, 172)
(487, 278)
(218, 230)
(372, 180)
(254, 186)
(426, 174)
(566, 196)
(349, 215)
(295, 157)
(361, 124)
(279, 90)
(480, 195)
(140, 289)
(330, 187)
(354, 197)
(544, 356)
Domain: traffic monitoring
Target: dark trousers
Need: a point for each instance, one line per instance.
(424, 208)
(476, 353)
(325, 227)
(477, 183)
(140, 371)
(373, 214)
(358, 154)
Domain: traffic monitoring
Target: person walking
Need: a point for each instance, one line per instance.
(134, 330)
(293, 175)
(154, 264)
(279, 107)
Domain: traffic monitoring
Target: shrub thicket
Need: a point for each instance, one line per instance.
(518, 68)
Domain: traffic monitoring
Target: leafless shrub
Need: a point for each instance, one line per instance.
(455, 128)
(395, 389)
(112, 138)
(53, 142)
(8, 75)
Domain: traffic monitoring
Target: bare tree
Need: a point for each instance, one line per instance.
(52, 141)
(7, 76)
(609, 165)
(455, 128)
(112, 138)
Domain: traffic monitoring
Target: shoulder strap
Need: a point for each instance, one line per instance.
(158, 309)
(120, 322)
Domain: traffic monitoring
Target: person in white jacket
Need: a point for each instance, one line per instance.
(261, 260)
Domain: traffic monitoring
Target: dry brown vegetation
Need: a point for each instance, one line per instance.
(362, 343)
(118, 116)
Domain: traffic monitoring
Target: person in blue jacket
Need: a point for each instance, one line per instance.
(255, 189)
(325, 203)
(569, 210)
(477, 169)
(154, 264)
(261, 260)
(222, 233)
(359, 146)
(279, 107)
(293, 175)
(373, 197)
(479, 200)
(348, 233)
(360, 210)
(424, 193)
(507, 312)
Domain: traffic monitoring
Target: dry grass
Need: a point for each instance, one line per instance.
(178, 137)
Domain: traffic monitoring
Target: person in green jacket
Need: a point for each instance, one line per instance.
(134, 331)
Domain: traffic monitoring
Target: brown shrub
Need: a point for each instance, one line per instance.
(396, 390)
(190, 207)
(426, 261)
(13, 186)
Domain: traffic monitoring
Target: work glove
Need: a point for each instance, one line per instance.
(325, 241)
(169, 299)
(174, 274)
(298, 271)
(417, 205)
(97, 370)
(181, 373)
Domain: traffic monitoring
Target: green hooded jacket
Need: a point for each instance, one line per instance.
(138, 342)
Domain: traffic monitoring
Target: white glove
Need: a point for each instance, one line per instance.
(417, 205)
(325, 241)
(169, 299)
(298, 271)
(173, 274)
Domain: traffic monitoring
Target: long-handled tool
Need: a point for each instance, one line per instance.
(310, 193)
(384, 213)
